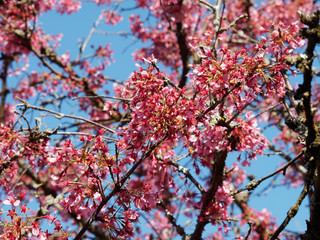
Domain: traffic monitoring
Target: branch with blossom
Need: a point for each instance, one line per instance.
(172, 145)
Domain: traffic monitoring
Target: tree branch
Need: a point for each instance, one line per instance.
(214, 105)
(254, 183)
(61, 115)
(4, 92)
(173, 221)
(118, 187)
(186, 172)
(217, 179)
(291, 213)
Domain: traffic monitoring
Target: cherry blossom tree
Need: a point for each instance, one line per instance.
(146, 157)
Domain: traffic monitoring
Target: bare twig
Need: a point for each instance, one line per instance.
(112, 140)
(240, 33)
(166, 16)
(217, 25)
(173, 221)
(289, 88)
(120, 33)
(233, 23)
(61, 115)
(103, 96)
(186, 172)
(151, 224)
(254, 183)
(291, 213)
(259, 114)
(297, 165)
(249, 230)
(85, 43)
(209, 6)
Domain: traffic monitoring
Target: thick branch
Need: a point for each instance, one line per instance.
(184, 53)
(313, 137)
(217, 179)
(4, 92)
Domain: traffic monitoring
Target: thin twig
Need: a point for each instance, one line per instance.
(213, 106)
(298, 166)
(166, 16)
(112, 140)
(217, 25)
(121, 34)
(85, 43)
(289, 88)
(103, 96)
(267, 110)
(233, 23)
(172, 220)
(254, 183)
(249, 230)
(291, 213)
(61, 115)
(186, 172)
(151, 225)
(45, 63)
(209, 6)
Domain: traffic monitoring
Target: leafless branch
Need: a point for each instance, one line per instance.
(186, 172)
(254, 183)
(85, 43)
(166, 16)
(249, 230)
(291, 213)
(233, 23)
(298, 166)
(209, 6)
(103, 96)
(173, 221)
(208, 197)
(61, 115)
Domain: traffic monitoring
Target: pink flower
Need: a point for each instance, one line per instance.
(11, 200)
(68, 6)
(111, 17)
(35, 228)
(131, 215)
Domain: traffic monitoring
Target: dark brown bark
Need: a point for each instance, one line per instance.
(184, 53)
(217, 179)
(6, 61)
(304, 93)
